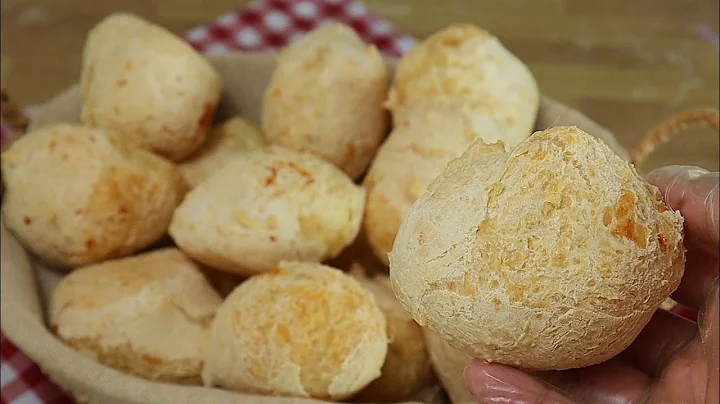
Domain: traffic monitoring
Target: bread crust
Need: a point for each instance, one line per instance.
(226, 143)
(426, 136)
(553, 255)
(78, 195)
(325, 96)
(458, 85)
(148, 315)
(467, 64)
(273, 204)
(303, 330)
(149, 84)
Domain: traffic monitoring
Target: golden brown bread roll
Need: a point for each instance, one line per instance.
(426, 136)
(407, 366)
(304, 330)
(449, 365)
(553, 255)
(78, 195)
(325, 96)
(226, 142)
(466, 64)
(149, 84)
(147, 315)
(273, 204)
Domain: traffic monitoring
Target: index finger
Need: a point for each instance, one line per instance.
(694, 192)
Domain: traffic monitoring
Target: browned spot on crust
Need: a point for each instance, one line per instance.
(166, 129)
(284, 334)
(273, 239)
(27, 220)
(52, 145)
(271, 178)
(305, 173)
(662, 242)
(152, 360)
(90, 243)
(116, 110)
(350, 151)
(206, 119)
(539, 154)
(626, 225)
(79, 212)
(496, 302)
(121, 83)
(54, 329)
(273, 272)
(128, 65)
(515, 293)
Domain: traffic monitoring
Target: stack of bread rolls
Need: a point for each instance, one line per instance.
(277, 280)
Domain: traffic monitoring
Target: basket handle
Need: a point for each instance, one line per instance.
(667, 129)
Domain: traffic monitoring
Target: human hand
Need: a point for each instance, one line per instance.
(673, 360)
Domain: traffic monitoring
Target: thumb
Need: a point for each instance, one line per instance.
(694, 192)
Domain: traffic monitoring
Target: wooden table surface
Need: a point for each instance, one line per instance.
(627, 64)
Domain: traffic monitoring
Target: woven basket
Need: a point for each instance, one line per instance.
(26, 285)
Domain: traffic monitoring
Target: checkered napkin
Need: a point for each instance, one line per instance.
(265, 25)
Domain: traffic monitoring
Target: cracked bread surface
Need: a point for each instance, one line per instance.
(549, 256)
(302, 330)
(147, 315)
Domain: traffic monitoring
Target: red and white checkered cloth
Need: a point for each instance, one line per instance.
(263, 26)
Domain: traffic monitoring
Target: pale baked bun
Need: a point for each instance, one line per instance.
(467, 64)
(273, 204)
(426, 136)
(407, 366)
(151, 85)
(226, 143)
(449, 365)
(325, 96)
(553, 255)
(303, 330)
(148, 315)
(78, 195)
